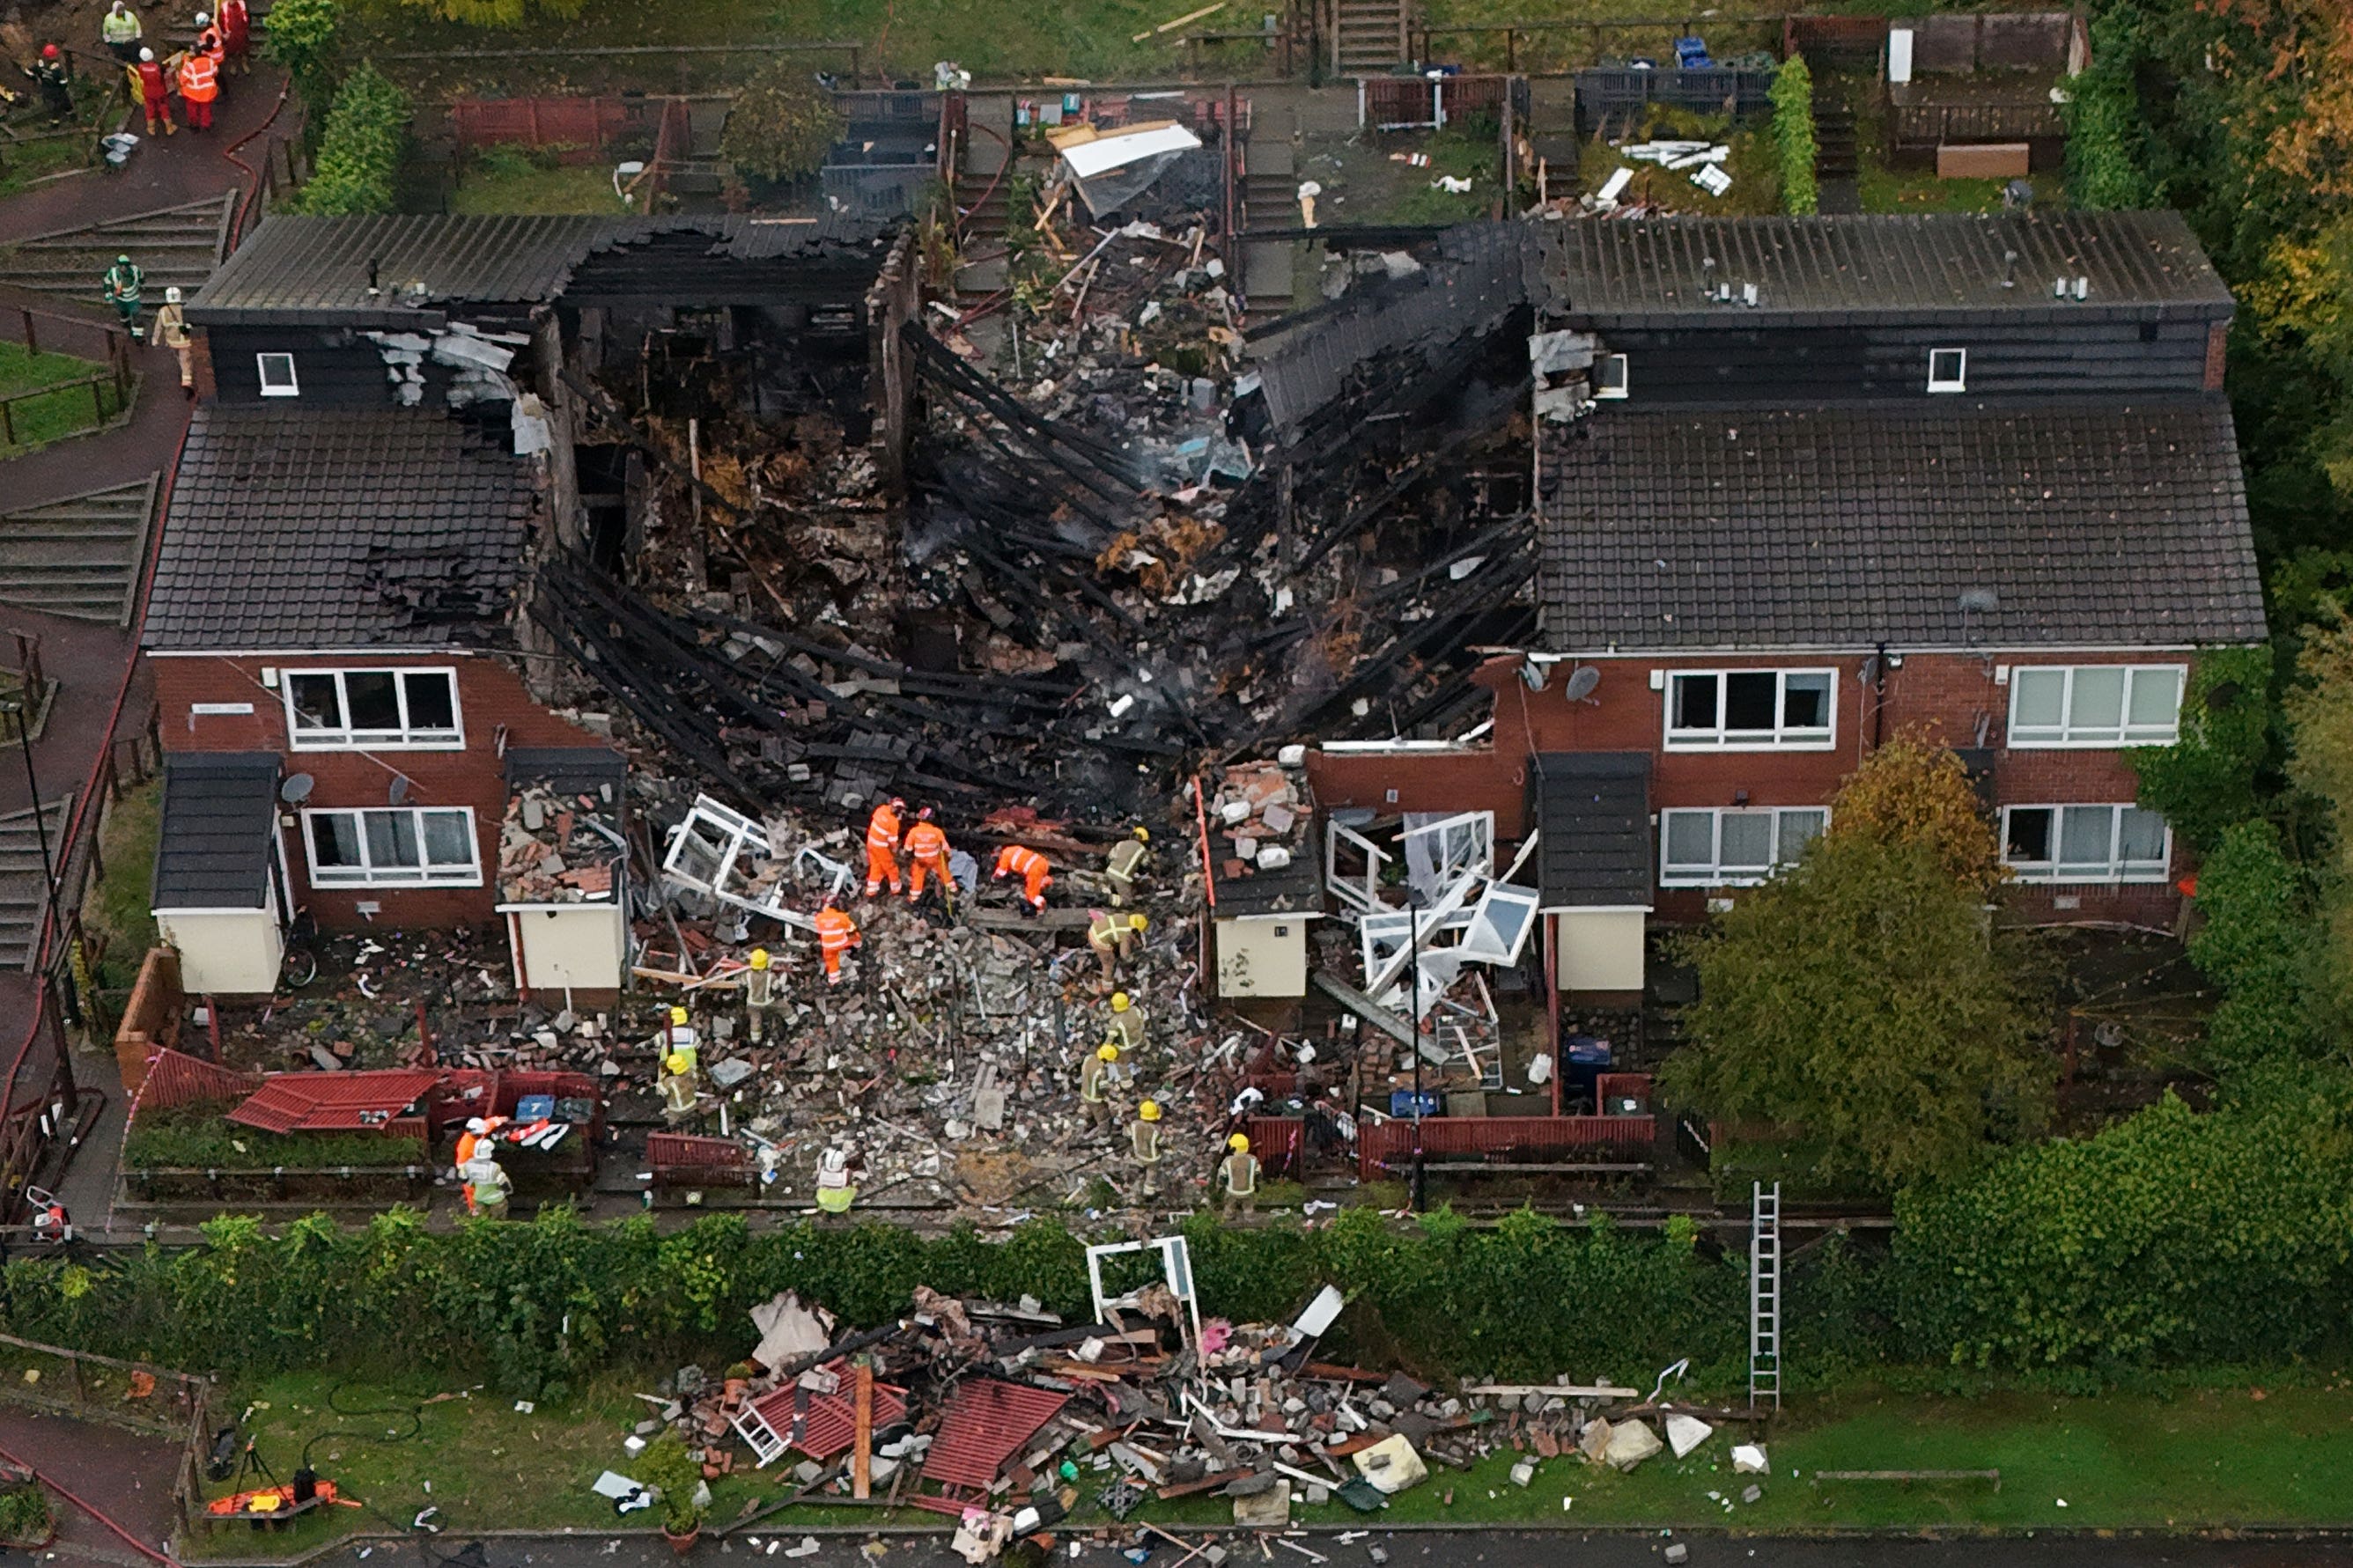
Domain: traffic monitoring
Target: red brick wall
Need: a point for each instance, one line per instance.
(489, 696)
(1953, 698)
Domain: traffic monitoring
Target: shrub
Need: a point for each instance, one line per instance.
(198, 1137)
(305, 37)
(359, 157)
(781, 125)
(1793, 135)
(495, 13)
(2207, 780)
(2258, 945)
(2106, 135)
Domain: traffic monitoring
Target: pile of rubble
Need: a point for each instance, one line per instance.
(558, 847)
(1025, 1428)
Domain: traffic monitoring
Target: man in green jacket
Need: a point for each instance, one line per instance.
(119, 29)
(123, 281)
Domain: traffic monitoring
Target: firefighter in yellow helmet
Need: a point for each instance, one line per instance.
(1144, 1146)
(759, 993)
(1127, 859)
(1094, 1085)
(1126, 1027)
(1238, 1179)
(1113, 937)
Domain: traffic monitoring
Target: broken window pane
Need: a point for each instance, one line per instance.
(1747, 841)
(2038, 698)
(391, 839)
(2086, 834)
(432, 700)
(335, 840)
(1690, 838)
(1748, 700)
(1798, 829)
(1694, 701)
(449, 838)
(374, 703)
(316, 704)
(2030, 835)
(2140, 838)
(1806, 702)
(2097, 704)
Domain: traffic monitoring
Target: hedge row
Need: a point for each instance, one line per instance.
(359, 156)
(2106, 135)
(538, 1303)
(1793, 135)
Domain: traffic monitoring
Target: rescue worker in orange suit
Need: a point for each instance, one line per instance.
(477, 1133)
(236, 36)
(1020, 860)
(837, 933)
(148, 81)
(199, 86)
(927, 852)
(882, 847)
(210, 39)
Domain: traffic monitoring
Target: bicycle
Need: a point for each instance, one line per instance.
(298, 963)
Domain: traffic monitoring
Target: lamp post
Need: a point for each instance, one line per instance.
(23, 710)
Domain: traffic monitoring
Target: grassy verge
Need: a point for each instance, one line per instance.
(24, 164)
(121, 912)
(46, 416)
(198, 1137)
(2206, 1459)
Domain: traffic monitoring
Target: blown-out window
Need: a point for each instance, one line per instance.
(2086, 844)
(385, 709)
(402, 846)
(1750, 709)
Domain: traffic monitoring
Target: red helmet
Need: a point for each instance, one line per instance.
(49, 52)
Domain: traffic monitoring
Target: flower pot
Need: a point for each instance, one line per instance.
(681, 1544)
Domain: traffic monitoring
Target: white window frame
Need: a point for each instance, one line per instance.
(2068, 735)
(293, 387)
(1715, 875)
(1958, 381)
(2113, 871)
(418, 875)
(1601, 387)
(348, 739)
(1781, 739)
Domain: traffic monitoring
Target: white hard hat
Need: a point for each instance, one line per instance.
(476, 1124)
(147, 55)
(172, 295)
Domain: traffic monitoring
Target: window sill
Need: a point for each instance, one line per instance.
(1701, 884)
(2026, 878)
(302, 743)
(1824, 743)
(474, 880)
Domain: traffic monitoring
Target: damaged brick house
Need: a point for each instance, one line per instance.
(389, 446)
(1803, 484)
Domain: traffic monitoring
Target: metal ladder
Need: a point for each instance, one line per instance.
(1764, 1295)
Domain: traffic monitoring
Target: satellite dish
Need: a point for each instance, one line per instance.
(296, 789)
(399, 790)
(1581, 682)
(1533, 674)
(1870, 670)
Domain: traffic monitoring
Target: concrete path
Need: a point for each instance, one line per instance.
(124, 1474)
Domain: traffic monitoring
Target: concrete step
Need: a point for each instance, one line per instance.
(80, 555)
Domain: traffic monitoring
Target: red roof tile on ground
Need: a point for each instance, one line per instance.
(832, 1424)
(985, 1423)
(333, 1101)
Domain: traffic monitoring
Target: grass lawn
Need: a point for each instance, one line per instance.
(2205, 1459)
(121, 912)
(45, 417)
(515, 185)
(27, 163)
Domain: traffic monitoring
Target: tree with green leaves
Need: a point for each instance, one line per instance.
(2220, 770)
(359, 156)
(1862, 996)
(305, 37)
(2261, 944)
(781, 125)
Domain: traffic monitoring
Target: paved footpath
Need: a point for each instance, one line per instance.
(124, 1475)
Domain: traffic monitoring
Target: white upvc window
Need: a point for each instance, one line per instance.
(2086, 844)
(381, 709)
(277, 374)
(1609, 376)
(1948, 370)
(402, 846)
(1751, 710)
(1707, 849)
(2096, 704)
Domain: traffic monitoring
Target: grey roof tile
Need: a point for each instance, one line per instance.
(212, 845)
(2094, 524)
(339, 529)
(1593, 811)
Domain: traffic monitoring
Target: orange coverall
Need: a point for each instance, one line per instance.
(1020, 860)
(837, 933)
(882, 850)
(927, 847)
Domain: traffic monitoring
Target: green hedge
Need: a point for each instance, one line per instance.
(2106, 140)
(1793, 135)
(536, 1304)
(2170, 1238)
(359, 157)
